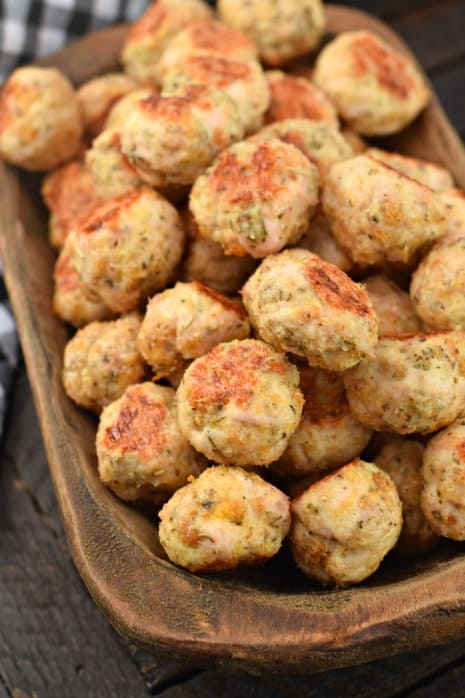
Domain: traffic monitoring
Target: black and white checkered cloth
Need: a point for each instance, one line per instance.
(33, 28)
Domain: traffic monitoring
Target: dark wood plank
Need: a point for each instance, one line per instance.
(449, 87)
(23, 445)
(434, 32)
(53, 642)
(450, 682)
(384, 8)
(213, 684)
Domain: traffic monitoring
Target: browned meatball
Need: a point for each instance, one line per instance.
(141, 451)
(240, 403)
(69, 193)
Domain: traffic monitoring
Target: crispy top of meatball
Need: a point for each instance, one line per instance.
(257, 197)
(375, 88)
(434, 176)
(300, 303)
(170, 140)
(224, 518)
(69, 193)
(244, 81)
(148, 37)
(240, 403)
(207, 38)
(294, 97)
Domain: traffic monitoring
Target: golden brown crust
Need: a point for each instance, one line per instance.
(215, 36)
(370, 56)
(139, 425)
(220, 384)
(335, 288)
(229, 176)
(294, 97)
(109, 211)
(228, 303)
(149, 23)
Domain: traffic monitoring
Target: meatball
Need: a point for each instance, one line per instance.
(206, 262)
(240, 403)
(69, 193)
(40, 120)
(454, 201)
(320, 240)
(413, 384)
(97, 97)
(128, 248)
(206, 39)
(283, 29)
(224, 518)
(111, 171)
(141, 451)
(434, 176)
(402, 460)
(376, 89)
(149, 36)
(328, 435)
(294, 97)
(321, 143)
(101, 361)
(243, 81)
(438, 286)
(170, 140)
(299, 303)
(185, 322)
(378, 214)
(257, 197)
(72, 302)
(443, 471)
(123, 107)
(345, 524)
(392, 305)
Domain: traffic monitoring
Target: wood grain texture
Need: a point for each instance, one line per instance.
(253, 620)
(39, 588)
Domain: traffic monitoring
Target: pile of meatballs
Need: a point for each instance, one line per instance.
(269, 309)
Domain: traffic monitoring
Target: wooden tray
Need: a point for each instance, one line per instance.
(266, 619)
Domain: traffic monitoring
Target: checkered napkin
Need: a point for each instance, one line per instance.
(9, 350)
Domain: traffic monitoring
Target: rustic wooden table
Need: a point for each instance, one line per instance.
(54, 640)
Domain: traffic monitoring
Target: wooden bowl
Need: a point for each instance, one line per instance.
(265, 619)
